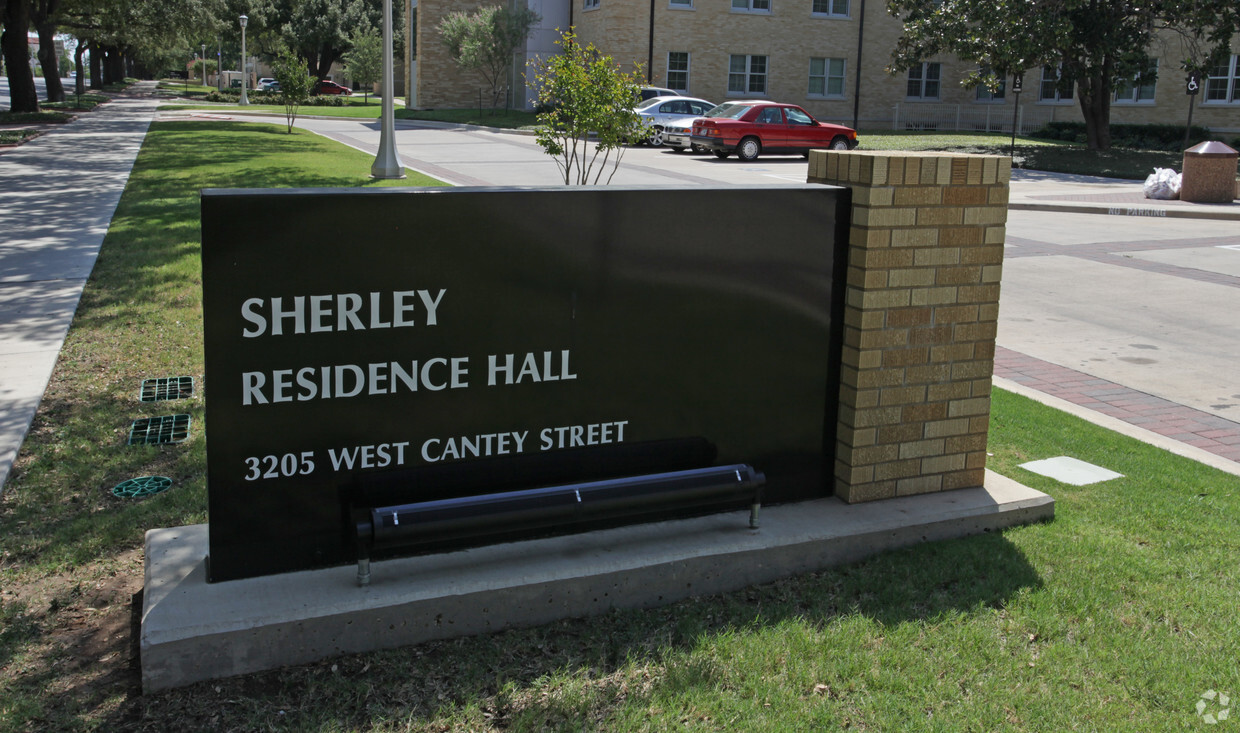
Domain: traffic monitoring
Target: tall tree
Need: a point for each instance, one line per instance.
(16, 18)
(1093, 43)
(43, 14)
(485, 41)
(364, 61)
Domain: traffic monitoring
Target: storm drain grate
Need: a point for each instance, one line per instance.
(167, 388)
(163, 429)
(136, 488)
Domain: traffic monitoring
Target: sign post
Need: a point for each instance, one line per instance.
(1017, 81)
(1191, 88)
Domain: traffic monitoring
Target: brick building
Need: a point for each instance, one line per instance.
(828, 56)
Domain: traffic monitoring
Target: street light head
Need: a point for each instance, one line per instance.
(244, 20)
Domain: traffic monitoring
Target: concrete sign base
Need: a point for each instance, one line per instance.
(192, 631)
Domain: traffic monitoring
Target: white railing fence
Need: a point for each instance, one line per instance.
(969, 117)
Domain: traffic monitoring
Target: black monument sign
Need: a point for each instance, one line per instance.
(416, 345)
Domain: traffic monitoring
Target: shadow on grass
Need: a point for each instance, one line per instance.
(413, 686)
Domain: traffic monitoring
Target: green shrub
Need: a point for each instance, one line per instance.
(325, 101)
(1135, 137)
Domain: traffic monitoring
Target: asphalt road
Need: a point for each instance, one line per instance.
(1150, 303)
(40, 87)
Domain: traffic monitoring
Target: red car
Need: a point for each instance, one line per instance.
(752, 128)
(329, 87)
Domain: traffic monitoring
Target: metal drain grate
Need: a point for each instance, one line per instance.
(164, 429)
(167, 388)
(136, 488)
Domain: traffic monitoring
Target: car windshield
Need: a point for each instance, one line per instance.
(730, 110)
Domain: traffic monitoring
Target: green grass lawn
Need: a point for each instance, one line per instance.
(1116, 616)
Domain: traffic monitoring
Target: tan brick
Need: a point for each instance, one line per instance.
(879, 172)
(942, 464)
(876, 259)
(907, 317)
(902, 395)
(853, 474)
(963, 479)
(946, 172)
(919, 485)
(958, 275)
(918, 195)
(951, 351)
(971, 406)
(922, 448)
(863, 320)
(967, 370)
(988, 312)
(912, 169)
(884, 339)
(869, 238)
(928, 374)
(897, 470)
(997, 195)
(975, 460)
(879, 299)
(878, 378)
(876, 416)
(885, 217)
(978, 294)
(872, 195)
(930, 336)
(1004, 174)
(934, 296)
(964, 195)
(987, 254)
(921, 237)
(895, 171)
(863, 437)
(858, 399)
(929, 170)
(982, 387)
(966, 443)
(901, 433)
(975, 172)
(904, 357)
(975, 332)
(961, 236)
(960, 172)
(938, 256)
(990, 168)
(992, 273)
(867, 279)
(979, 424)
(946, 428)
(984, 215)
(995, 235)
(924, 413)
(910, 278)
(984, 350)
(939, 216)
(956, 314)
(863, 492)
(868, 456)
(947, 391)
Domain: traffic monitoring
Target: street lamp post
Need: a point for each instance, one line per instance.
(244, 80)
(387, 163)
(219, 64)
(204, 64)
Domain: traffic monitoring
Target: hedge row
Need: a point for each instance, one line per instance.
(1137, 137)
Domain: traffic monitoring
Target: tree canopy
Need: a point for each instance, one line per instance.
(1093, 43)
(485, 40)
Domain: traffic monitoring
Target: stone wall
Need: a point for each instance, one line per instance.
(922, 303)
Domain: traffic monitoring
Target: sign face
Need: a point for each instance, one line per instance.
(1194, 84)
(1018, 81)
(437, 343)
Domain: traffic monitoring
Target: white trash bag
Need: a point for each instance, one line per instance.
(1163, 183)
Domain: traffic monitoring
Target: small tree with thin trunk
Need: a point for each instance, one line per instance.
(485, 41)
(587, 101)
(364, 61)
(295, 83)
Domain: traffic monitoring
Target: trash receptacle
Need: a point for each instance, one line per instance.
(1209, 173)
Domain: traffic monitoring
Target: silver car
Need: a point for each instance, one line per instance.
(663, 111)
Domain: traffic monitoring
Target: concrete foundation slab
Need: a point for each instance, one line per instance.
(192, 631)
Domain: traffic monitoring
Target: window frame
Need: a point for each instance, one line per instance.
(1231, 83)
(750, 7)
(923, 80)
(1135, 88)
(749, 74)
(669, 71)
(680, 4)
(826, 77)
(831, 9)
(590, 5)
(1058, 97)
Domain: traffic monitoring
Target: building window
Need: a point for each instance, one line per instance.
(680, 4)
(678, 70)
(1223, 86)
(1051, 88)
(590, 4)
(751, 6)
(923, 81)
(1137, 90)
(831, 8)
(746, 74)
(826, 77)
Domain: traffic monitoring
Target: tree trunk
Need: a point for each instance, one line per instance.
(96, 66)
(79, 83)
(50, 61)
(22, 95)
(1095, 99)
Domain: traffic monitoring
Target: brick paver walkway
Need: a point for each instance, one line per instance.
(1185, 424)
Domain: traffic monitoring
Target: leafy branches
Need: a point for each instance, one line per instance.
(485, 40)
(587, 101)
(295, 83)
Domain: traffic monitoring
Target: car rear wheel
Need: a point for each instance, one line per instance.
(749, 149)
(656, 138)
(839, 143)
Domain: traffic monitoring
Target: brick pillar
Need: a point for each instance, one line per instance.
(922, 302)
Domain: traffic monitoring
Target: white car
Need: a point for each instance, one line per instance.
(663, 111)
(264, 83)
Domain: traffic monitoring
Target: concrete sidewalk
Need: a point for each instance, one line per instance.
(1064, 192)
(59, 192)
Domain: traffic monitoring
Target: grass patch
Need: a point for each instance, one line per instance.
(1032, 153)
(1116, 616)
(356, 107)
(17, 137)
(77, 102)
(34, 118)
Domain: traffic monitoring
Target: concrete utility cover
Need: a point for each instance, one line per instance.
(1071, 471)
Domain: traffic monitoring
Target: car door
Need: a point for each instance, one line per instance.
(803, 132)
(770, 128)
